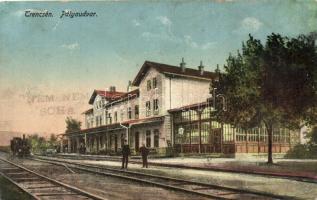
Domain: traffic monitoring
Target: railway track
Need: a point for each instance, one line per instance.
(39, 186)
(135, 161)
(191, 187)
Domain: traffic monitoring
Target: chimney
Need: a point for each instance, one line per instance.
(182, 65)
(112, 88)
(217, 69)
(129, 86)
(201, 68)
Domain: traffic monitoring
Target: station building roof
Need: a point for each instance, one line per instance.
(115, 126)
(173, 70)
(190, 107)
(107, 94)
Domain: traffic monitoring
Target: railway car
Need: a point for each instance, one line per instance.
(20, 146)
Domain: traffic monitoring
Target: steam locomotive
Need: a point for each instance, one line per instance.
(20, 146)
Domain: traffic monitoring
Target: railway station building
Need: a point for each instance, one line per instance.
(168, 109)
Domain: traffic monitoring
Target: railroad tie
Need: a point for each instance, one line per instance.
(180, 184)
(202, 188)
(17, 173)
(227, 193)
(39, 182)
(43, 187)
(27, 179)
(54, 194)
(9, 168)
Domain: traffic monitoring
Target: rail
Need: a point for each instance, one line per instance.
(39, 186)
(187, 186)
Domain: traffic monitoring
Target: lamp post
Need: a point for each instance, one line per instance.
(214, 96)
(224, 105)
(224, 108)
(199, 112)
(127, 132)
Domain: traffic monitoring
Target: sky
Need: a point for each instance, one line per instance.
(49, 67)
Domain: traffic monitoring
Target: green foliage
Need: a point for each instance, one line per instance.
(312, 136)
(275, 83)
(312, 142)
(308, 150)
(72, 125)
(39, 144)
(53, 140)
(310, 147)
(312, 150)
(9, 191)
(298, 151)
(272, 84)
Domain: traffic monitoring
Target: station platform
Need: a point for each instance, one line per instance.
(285, 168)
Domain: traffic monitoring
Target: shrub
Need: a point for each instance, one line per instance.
(303, 151)
(298, 151)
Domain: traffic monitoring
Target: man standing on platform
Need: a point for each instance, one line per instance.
(144, 153)
(125, 154)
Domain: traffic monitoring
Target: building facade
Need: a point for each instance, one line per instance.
(140, 115)
(165, 108)
(196, 131)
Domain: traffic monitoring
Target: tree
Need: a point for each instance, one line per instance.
(53, 141)
(312, 142)
(306, 150)
(271, 85)
(38, 143)
(72, 125)
(312, 136)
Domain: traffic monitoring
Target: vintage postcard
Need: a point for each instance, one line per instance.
(140, 99)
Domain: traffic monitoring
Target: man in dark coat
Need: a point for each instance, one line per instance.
(144, 153)
(125, 154)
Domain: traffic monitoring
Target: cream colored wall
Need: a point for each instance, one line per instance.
(151, 94)
(123, 107)
(142, 135)
(182, 91)
(172, 92)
